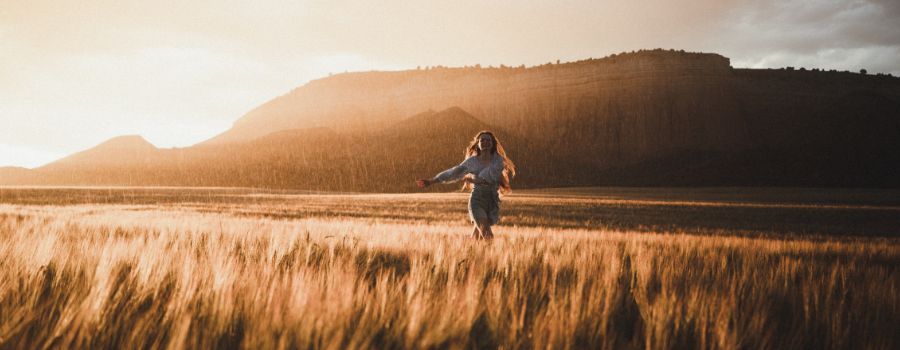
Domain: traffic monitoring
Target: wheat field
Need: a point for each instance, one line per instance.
(216, 268)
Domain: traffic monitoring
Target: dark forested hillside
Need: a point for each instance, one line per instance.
(658, 118)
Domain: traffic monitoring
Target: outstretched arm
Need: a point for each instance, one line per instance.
(447, 176)
(453, 174)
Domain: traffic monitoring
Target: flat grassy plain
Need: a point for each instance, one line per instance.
(570, 268)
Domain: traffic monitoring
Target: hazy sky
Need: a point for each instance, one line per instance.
(76, 73)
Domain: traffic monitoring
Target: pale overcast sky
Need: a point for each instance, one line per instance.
(76, 73)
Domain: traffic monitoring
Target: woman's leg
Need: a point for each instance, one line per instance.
(487, 233)
(479, 218)
(483, 230)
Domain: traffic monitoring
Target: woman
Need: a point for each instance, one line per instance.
(486, 170)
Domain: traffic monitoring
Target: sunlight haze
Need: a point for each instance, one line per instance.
(74, 74)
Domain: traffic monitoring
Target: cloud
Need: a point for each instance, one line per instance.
(830, 34)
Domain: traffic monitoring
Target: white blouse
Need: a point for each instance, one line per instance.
(491, 172)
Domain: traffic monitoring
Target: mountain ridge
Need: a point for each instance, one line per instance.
(372, 98)
(119, 149)
(657, 118)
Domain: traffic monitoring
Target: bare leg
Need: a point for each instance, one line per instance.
(487, 233)
(475, 234)
(483, 230)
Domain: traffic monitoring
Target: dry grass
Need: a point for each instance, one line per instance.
(220, 275)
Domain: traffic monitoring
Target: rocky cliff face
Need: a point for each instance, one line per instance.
(617, 110)
(415, 90)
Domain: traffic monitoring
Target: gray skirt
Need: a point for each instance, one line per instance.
(484, 204)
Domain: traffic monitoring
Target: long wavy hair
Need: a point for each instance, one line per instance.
(509, 168)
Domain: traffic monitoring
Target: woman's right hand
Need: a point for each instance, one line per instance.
(423, 183)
